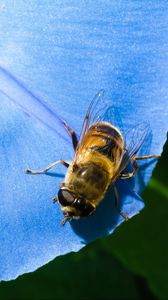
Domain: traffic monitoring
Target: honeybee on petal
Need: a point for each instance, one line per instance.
(101, 157)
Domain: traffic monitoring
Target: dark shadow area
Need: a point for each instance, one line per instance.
(143, 289)
(105, 218)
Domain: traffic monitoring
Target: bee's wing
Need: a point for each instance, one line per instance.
(92, 113)
(15, 90)
(100, 110)
(134, 140)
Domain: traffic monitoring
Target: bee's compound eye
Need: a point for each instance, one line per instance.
(65, 197)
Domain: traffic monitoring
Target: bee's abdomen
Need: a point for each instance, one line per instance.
(107, 129)
(108, 140)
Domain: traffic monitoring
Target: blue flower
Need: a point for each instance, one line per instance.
(65, 53)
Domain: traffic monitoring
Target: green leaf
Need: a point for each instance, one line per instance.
(90, 274)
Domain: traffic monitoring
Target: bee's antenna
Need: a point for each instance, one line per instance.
(55, 199)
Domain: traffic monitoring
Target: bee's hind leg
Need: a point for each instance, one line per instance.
(30, 171)
(135, 165)
(146, 156)
(116, 197)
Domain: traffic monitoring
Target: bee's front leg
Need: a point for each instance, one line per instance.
(30, 171)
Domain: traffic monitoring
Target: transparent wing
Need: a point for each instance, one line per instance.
(90, 113)
(100, 109)
(29, 103)
(135, 137)
(134, 140)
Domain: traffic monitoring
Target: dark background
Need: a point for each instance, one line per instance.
(132, 263)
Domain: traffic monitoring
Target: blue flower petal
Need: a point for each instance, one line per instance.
(66, 52)
(31, 230)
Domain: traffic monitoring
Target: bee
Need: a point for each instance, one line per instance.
(101, 157)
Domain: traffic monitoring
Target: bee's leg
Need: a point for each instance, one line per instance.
(135, 165)
(146, 156)
(30, 171)
(116, 197)
(72, 134)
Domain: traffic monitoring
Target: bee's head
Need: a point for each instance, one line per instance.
(74, 206)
